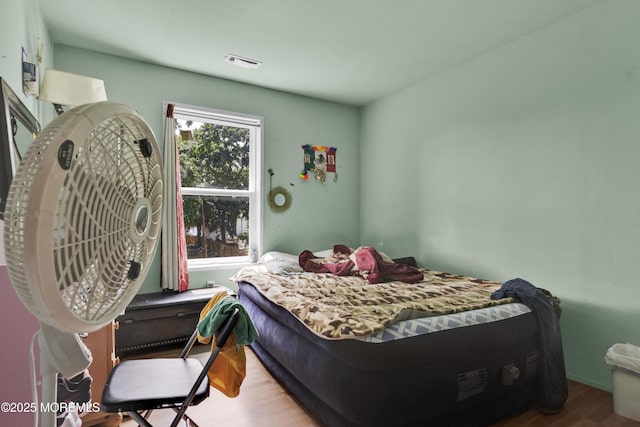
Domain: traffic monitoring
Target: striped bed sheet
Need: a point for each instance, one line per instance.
(426, 325)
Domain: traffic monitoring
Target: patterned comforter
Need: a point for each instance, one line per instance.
(343, 307)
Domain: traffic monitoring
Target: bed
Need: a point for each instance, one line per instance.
(443, 360)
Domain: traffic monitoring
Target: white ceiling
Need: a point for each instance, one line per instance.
(351, 51)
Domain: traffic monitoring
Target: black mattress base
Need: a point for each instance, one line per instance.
(477, 416)
(324, 412)
(423, 380)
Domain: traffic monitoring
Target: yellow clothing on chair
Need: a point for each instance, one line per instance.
(229, 369)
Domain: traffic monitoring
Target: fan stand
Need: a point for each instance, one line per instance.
(60, 352)
(81, 227)
(49, 378)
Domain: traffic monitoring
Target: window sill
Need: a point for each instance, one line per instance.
(211, 266)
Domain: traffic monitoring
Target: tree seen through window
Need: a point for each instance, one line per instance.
(214, 157)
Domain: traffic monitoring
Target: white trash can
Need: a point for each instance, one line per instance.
(624, 360)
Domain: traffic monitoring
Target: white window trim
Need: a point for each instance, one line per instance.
(255, 124)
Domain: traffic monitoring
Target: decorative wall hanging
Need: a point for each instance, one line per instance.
(29, 76)
(319, 159)
(279, 198)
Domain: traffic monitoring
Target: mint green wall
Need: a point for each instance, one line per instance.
(320, 215)
(21, 25)
(521, 162)
(524, 162)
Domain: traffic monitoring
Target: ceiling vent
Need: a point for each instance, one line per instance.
(242, 62)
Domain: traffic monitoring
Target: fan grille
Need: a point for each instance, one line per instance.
(91, 230)
(16, 213)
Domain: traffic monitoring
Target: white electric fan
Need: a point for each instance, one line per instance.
(82, 224)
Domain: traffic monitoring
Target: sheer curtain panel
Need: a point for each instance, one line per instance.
(175, 275)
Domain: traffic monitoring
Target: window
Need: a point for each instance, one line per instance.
(220, 155)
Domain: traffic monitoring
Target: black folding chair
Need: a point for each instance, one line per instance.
(139, 386)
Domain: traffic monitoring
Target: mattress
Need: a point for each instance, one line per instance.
(347, 307)
(465, 368)
(426, 325)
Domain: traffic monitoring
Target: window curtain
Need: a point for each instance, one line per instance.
(175, 275)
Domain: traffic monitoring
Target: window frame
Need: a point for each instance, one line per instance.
(255, 124)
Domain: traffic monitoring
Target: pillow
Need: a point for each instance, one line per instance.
(324, 254)
(281, 263)
(284, 267)
(278, 256)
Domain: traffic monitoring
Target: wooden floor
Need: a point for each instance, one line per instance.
(264, 402)
(585, 407)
